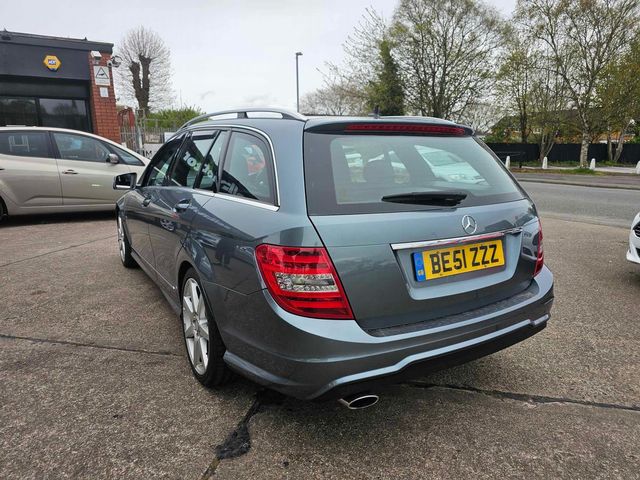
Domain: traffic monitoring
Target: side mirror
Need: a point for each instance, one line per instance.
(113, 159)
(126, 181)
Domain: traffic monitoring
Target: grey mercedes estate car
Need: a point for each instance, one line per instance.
(325, 257)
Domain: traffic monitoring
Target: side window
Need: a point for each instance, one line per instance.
(209, 174)
(126, 157)
(79, 147)
(24, 144)
(192, 156)
(159, 166)
(247, 170)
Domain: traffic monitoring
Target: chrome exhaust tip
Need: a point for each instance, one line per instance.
(359, 401)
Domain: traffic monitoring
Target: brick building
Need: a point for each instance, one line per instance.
(57, 82)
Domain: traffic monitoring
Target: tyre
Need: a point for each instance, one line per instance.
(202, 340)
(124, 247)
(3, 210)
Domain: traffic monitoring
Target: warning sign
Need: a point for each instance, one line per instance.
(101, 75)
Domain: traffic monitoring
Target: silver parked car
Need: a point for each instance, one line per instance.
(325, 257)
(46, 170)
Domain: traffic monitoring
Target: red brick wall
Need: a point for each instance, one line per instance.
(104, 116)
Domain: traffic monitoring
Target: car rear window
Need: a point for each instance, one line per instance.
(349, 174)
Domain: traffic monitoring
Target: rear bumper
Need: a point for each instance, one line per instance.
(320, 359)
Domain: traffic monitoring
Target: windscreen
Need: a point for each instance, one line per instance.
(350, 174)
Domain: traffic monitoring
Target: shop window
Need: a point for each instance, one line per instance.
(18, 111)
(64, 113)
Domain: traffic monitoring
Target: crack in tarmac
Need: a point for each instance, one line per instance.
(90, 345)
(238, 442)
(525, 397)
(56, 251)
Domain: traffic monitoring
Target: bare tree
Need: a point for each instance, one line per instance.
(482, 115)
(446, 50)
(583, 37)
(336, 98)
(145, 74)
(351, 80)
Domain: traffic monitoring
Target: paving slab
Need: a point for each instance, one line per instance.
(439, 433)
(83, 294)
(84, 412)
(42, 234)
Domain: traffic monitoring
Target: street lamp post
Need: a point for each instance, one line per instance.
(298, 54)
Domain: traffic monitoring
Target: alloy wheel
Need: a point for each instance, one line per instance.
(122, 247)
(196, 325)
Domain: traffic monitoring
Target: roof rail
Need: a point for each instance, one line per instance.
(242, 113)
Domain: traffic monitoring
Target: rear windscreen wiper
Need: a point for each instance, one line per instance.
(443, 199)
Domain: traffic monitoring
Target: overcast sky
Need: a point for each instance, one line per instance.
(225, 53)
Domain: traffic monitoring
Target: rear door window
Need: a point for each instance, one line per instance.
(248, 170)
(351, 173)
(24, 144)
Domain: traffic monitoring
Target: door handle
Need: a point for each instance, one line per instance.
(181, 206)
(70, 172)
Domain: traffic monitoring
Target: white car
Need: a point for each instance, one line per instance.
(47, 170)
(633, 255)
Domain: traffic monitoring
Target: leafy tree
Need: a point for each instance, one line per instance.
(446, 51)
(386, 91)
(582, 37)
(145, 73)
(619, 97)
(548, 100)
(514, 82)
(172, 118)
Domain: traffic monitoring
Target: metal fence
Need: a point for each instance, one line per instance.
(563, 152)
(144, 137)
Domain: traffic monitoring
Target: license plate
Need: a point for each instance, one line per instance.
(444, 262)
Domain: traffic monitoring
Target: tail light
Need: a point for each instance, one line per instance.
(303, 281)
(540, 260)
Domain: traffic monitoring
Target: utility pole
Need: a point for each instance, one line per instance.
(298, 54)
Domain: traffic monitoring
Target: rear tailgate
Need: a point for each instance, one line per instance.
(377, 246)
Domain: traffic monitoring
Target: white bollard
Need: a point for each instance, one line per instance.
(507, 163)
(545, 163)
(638, 168)
(592, 165)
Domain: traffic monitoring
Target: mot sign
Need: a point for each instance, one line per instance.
(101, 75)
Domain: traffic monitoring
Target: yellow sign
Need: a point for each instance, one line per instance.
(52, 62)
